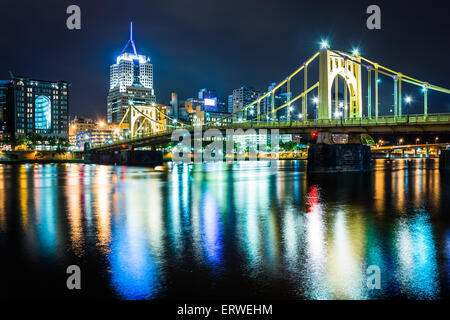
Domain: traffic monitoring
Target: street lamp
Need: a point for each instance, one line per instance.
(324, 44)
(341, 110)
(316, 102)
(408, 101)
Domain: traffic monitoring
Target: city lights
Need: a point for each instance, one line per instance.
(201, 174)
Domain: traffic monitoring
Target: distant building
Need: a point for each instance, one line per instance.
(35, 106)
(131, 82)
(94, 137)
(279, 99)
(230, 103)
(174, 105)
(3, 95)
(84, 124)
(242, 97)
(199, 116)
(85, 129)
(206, 93)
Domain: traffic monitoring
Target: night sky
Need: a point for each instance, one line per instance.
(215, 44)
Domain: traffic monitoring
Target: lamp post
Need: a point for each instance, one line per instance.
(408, 101)
(341, 111)
(316, 107)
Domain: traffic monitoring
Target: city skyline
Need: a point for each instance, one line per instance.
(211, 60)
(224, 158)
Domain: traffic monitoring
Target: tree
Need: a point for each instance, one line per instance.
(33, 139)
(62, 144)
(51, 141)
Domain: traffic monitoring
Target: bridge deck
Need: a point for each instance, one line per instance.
(434, 123)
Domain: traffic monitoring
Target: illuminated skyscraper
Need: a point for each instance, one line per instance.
(131, 81)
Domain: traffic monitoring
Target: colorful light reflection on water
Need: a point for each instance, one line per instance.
(225, 230)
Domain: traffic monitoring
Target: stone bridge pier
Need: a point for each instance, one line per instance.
(329, 156)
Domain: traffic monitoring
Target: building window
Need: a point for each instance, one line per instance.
(43, 113)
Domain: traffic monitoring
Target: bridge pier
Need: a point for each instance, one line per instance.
(444, 160)
(323, 157)
(124, 157)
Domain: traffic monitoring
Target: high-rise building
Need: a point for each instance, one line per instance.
(230, 103)
(242, 97)
(174, 104)
(209, 99)
(131, 82)
(206, 93)
(37, 106)
(280, 98)
(3, 94)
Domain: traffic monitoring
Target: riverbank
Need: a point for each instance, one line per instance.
(41, 161)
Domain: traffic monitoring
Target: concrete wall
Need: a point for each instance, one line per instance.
(339, 158)
(37, 156)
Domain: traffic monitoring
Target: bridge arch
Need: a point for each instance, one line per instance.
(332, 65)
(144, 119)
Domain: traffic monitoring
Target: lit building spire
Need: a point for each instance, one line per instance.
(131, 40)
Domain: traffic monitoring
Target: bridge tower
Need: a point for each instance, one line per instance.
(331, 65)
(145, 119)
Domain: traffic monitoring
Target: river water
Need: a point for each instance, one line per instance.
(219, 230)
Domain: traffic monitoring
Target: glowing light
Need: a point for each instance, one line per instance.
(209, 102)
(324, 44)
(315, 100)
(338, 114)
(300, 115)
(408, 99)
(355, 52)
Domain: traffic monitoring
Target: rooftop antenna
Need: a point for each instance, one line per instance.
(11, 74)
(131, 40)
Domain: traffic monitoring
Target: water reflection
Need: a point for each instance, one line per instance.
(195, 228)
